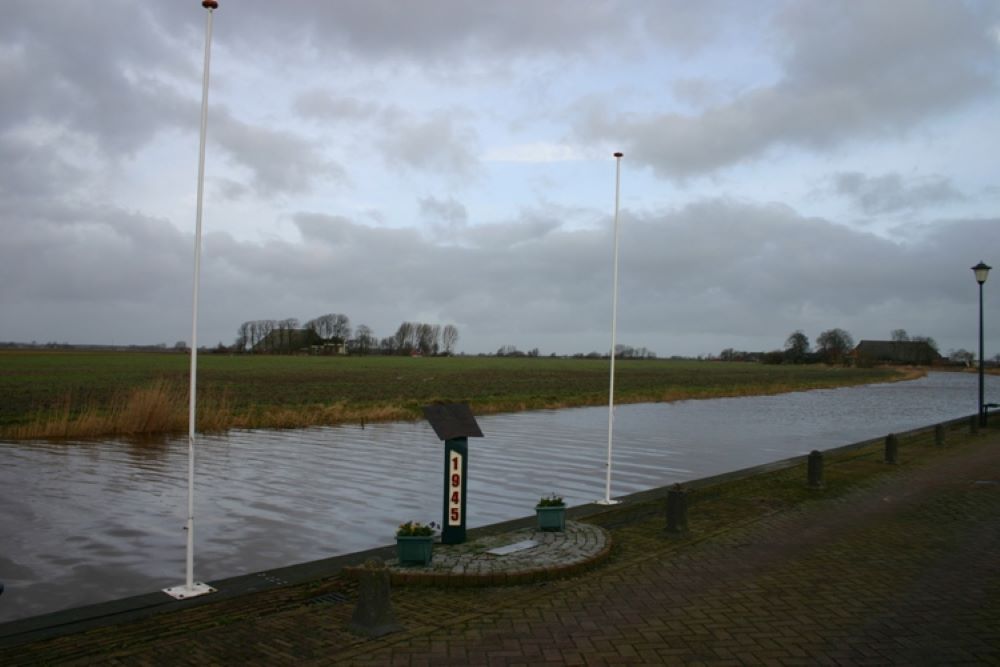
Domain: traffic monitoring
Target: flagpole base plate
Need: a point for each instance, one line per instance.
(182, 592)
(608, 501)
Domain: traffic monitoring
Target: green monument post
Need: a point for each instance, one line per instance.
(454, 423)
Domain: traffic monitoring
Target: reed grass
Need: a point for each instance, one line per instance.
(157, 408)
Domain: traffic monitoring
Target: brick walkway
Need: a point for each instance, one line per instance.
(886, 565)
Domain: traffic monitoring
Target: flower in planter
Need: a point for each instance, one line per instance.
(551, 500)
(417, 529)
(551, 513)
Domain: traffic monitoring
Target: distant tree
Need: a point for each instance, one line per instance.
(509, 351)
(773, 357)
(796, 348)
(242, 338)
(533, 352)
(331, 327)
(406, 338)
(364, 341)
(926, 339)
(180, 346)
(260, 335)
(899, 336)
(387, 345)
(340, 328)
(428, 336)
(449, 337)
(833, 345)
(962, 356)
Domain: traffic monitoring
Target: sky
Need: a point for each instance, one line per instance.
(801, 165)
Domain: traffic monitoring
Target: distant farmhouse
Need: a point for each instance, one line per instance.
(297, 341)
(913, 353)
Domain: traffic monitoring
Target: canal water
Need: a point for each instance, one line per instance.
(93, 521)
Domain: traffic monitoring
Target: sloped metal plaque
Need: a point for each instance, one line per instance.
(452, 420)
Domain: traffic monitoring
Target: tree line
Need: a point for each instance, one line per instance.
(833, 346)
(333, 331)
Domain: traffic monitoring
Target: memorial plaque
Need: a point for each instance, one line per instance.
(452, 420)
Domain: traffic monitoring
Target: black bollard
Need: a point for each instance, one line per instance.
(814, 470)
(939, 435)
(373, 617)
(891, 449)
(677, 521)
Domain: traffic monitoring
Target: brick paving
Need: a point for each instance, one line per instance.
(885, 565)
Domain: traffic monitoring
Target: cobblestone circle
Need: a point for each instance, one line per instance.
(557, 554)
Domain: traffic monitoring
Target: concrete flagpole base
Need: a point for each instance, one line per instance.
(182, 592)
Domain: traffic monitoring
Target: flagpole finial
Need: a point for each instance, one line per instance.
(210, 4)
(619, 154)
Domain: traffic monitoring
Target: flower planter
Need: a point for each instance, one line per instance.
(551, 518)
(414, 550)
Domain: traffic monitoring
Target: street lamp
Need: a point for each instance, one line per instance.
(982, 271)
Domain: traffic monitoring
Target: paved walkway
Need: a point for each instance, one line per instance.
(885, 565)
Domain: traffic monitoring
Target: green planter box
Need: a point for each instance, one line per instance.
(551, 518)
(414, 550)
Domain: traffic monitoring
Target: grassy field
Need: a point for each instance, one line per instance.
(89, 394)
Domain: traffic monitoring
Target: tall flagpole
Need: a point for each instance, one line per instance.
(191, 588)
(614, 330)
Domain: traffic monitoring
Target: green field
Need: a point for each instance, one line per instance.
(248, 391)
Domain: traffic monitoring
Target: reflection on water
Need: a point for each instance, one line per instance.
(86, 522)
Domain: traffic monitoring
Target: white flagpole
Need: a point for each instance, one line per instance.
(614, 329)
(191, 588)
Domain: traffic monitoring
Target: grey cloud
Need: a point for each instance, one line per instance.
(889, 193)
(107, 80)
(322, 105)
(849, 71)
(31, 169)
(81, 255)
(448, 211)
(443, 140)
(83, 69)
(433, 31)
(439, 142)
(279, 162)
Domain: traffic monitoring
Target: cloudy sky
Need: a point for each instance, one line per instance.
(788, 165)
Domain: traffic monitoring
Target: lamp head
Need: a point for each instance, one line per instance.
(982, 271)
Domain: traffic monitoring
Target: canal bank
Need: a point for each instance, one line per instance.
(884, 562)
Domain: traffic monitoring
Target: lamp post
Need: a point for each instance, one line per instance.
(982, 271)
